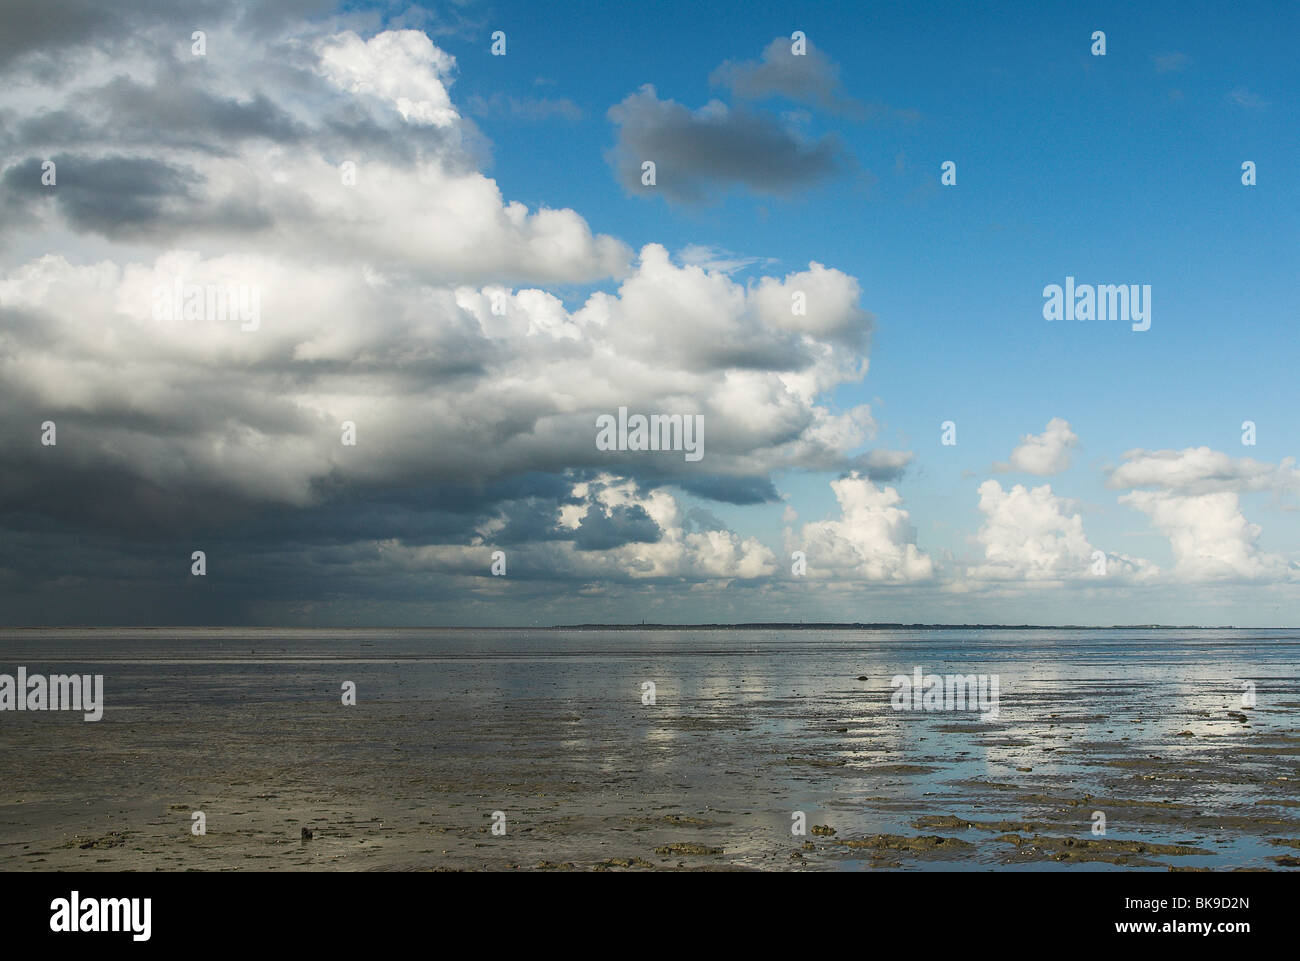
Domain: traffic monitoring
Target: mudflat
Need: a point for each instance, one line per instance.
(540, 750)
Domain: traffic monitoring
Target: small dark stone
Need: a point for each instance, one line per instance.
(863, 677)
(306, 834)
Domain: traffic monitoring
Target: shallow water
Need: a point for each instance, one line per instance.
(747, 727)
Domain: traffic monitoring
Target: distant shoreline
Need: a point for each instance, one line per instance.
(750, 626)
(844, 626)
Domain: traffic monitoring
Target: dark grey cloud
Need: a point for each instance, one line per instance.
(43, 35)
(881, 465)
(330, 557)
(810, 78)
(172, 110)
(602, 529)
(699, 519)
(53, 129)
(51, 42)
(108, 195)
(702, 153)
(42, 26)
(730, 490)
(128, 197)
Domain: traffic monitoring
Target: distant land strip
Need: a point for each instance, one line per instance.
(840, 626)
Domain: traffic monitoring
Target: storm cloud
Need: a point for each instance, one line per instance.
(698, 153)
(413, 391)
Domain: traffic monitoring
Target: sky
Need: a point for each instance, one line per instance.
(452, 263)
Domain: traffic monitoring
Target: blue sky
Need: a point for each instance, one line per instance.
(1124, 168)
(1115, 169)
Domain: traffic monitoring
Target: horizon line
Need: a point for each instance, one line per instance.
(739, 625)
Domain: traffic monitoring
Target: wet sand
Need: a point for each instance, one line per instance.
(748, 727)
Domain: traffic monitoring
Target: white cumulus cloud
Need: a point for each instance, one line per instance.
(1210, 537)
(873, 540)
(1043, 454)
(1031, 534)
